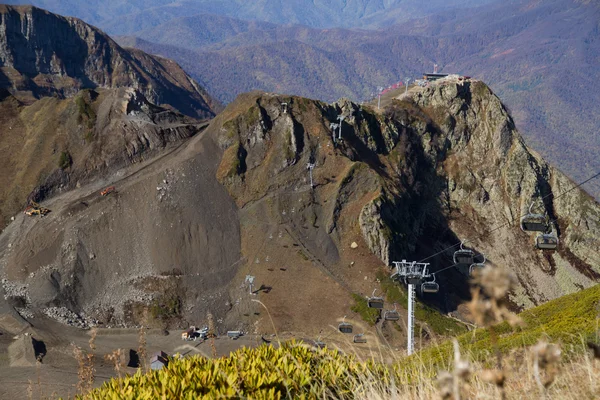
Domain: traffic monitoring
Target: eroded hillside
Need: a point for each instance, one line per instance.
(183, 231)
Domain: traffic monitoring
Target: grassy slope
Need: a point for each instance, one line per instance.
(569, 320)
(296, 370)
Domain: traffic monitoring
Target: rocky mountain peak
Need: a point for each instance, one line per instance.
(440, 165)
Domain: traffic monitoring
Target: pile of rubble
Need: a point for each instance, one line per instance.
(15, 290)
(68, 317)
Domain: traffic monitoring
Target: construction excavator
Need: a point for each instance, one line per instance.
(108, 190)
(35, 209)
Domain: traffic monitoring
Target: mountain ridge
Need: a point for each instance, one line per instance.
(34, 68)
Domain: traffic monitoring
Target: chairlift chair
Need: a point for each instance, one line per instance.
(360, 338)
(464, 256)
(534, 222)
(345, 327)
(477, 266)
(430, 287)
(546, 241)
(375, 302)
(319, 344)
(391, 315)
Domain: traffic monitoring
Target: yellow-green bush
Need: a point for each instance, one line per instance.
(293, 370)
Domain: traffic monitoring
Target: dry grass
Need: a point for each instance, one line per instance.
(577, 379)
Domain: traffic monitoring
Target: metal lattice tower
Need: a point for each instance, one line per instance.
(412, 273)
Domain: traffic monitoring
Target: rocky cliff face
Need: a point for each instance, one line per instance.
(43, 54)
(440, 166)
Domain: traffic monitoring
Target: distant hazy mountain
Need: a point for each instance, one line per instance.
(119, 17)
(541, 57)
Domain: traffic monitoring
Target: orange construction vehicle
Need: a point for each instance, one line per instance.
(108, 191)
(35, 209)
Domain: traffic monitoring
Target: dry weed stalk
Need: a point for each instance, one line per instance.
(453, 386)
(142, 345)
(212, 333)
(30, 390)
(115, 358)
(92, 342)
(545, 358)
(489, 303)
(85, 371)
(488, 307)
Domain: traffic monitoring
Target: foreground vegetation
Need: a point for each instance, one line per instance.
(510, 359)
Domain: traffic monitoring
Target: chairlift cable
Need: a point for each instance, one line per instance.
(508, 223)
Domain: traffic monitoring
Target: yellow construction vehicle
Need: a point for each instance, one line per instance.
(35, 209)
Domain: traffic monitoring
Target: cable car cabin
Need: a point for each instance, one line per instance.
(546, 241)
(464, 256)
(534, 223)
(345, 327)
(375, 302)
(360, 338)
(430, 287)
(391, 315)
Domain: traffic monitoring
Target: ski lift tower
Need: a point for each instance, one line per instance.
(310, 167)
(379, 90)
(412, 273)
(250, 282)
(435, 68)
(407, 81)
(341, 118)
(333, 126)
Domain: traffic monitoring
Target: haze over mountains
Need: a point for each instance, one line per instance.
(119, 17)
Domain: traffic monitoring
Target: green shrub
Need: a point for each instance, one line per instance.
(165, 307)
(64, 160)
(86, 114)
